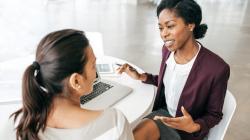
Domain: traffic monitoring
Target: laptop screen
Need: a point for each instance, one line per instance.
(105, 68)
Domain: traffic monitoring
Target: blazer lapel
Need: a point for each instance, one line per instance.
(166, 54)
(160, 99)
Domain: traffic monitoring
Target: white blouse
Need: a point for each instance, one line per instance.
(174, 81)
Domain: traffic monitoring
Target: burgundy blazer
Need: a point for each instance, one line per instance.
(203, 94)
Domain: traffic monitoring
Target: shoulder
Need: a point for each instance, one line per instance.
(116, 115)
(122, 126)
(212, 61)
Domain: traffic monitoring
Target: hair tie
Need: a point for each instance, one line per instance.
(36, 65)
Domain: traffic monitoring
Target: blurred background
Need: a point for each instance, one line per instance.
(130, 31)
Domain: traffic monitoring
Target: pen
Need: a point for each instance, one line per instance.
(131, 68)
(118, 64)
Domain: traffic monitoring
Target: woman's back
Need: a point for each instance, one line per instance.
(63, 72)
(110, 124)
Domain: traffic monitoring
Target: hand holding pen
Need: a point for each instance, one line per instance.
(132, 72)
(126, 65)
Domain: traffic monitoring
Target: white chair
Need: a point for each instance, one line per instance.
(218, 132)
(7, 125)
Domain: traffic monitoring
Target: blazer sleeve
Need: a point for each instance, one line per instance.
(151, 79)
(213, 113)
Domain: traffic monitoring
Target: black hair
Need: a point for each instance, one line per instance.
(59, 54)
(189, 11)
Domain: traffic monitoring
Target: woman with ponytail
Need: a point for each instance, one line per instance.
(192, 81)
(64, 70)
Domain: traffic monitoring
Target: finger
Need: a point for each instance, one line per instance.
(119, 70)
(127, 65)
(184, 112)
(130, 69)
(174, 124)
(171, 121)
(176, 120)
(122, 69)
(161, 118)
(157, 118)
(170, 125)
(166, 119)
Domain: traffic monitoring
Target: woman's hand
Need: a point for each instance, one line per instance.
(132, 72)
(184, 123)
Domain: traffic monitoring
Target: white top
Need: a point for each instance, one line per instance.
(174, 81)
(110, 125)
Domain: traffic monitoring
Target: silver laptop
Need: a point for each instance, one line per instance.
(105, 94)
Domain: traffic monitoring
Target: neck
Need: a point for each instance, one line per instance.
(187, 52)
(67, 114)
(61, 106)
(65, 101)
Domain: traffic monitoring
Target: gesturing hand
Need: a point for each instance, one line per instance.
(132, 72)
(184, 122)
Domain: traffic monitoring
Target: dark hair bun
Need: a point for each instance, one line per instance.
(200, 31)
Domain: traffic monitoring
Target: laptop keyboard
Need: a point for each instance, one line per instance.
(98, 89)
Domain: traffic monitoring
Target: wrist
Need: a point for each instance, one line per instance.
(142, 77)
(196, 127)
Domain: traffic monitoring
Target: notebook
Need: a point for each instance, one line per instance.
(105, 94)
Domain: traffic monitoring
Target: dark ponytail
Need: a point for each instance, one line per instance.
(35, 107)
(59, 54)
